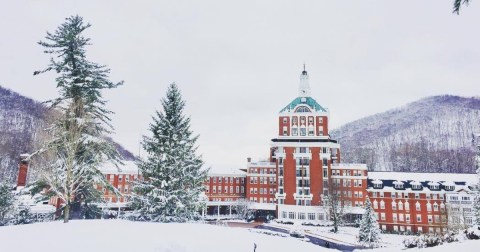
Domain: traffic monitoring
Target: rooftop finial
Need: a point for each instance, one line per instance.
(304, 71)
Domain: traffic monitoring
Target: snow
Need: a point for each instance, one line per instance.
(467, 245)
(120, 236)
(419, 176)
(128, 167)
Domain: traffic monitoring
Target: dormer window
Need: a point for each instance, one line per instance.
(398, 184)
(416, 185)
(377, 184)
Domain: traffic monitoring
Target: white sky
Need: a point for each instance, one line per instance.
(237, 63)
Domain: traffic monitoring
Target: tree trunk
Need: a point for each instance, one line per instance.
(66, 213)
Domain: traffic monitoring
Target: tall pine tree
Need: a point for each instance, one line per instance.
(369, 232)
(78, 135)
(172, 171)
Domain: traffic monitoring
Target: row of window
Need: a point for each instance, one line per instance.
(215, 189)
(347, 182)
(401, 195)
(227, 180)
(263, 180)
(262, 200)
(302, 120)
(302, 131)
(263, 191)
(262, 170)
(409, 229)
(406, 218)
(337, 172)
(303, 216)
(406, 206)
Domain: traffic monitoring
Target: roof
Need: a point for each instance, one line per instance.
(128, 167)
(304, 100)
(469, 178)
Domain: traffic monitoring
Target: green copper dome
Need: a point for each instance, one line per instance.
(309, 101)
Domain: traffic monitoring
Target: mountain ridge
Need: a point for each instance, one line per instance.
(22, 120)
(433, 134)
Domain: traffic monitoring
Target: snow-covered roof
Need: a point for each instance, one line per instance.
(128, 167)
(396, 182)
(418, 176)
(415, 183)
(349, 166)
(431, 183)
(309, 101)
(377, 181)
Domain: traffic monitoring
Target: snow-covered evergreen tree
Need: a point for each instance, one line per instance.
(172, 183)
(78, 134)
(369, 232)
(7, 198)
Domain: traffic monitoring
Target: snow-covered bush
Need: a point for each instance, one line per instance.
(473, 233)
(423, 241)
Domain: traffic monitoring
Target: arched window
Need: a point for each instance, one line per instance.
(375, 204)
(302, 109)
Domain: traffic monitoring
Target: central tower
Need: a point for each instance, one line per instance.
(304, 154)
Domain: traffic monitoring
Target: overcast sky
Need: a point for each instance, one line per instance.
(237, 63)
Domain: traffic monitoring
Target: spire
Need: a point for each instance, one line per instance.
(304, 88)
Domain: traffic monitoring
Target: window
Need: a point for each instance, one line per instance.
(430, 219)
(407, 206)
(407, 217)
(382, 205)
(400, 217)
(294, 131)
(301, 216)
(243, 189)
(417, 206)
(285, 130)
(311, 216)
(219, 189)
(231, 189)
(394, 217)
(303, 131)
(284, 214)
(285, 119)
(435, 206)
(429, 207)
(400, 205)
(291, 215)
(226, 189)
(214, 189)
(419, 218)
(394, 205)
(219, 179)
(382, 216)
(119, 178)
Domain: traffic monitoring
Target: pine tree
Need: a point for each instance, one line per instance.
(7, 199)
(172, 172)
(369, 232)
(78, 135)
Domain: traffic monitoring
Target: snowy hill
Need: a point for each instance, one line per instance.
(434, 134)
(21, 122)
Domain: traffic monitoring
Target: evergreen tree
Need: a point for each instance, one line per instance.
(7, 199)
(369, 232)
(172, 183)
(78, 135)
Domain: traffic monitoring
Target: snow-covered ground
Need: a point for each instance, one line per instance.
(347, 235)
(119, 236)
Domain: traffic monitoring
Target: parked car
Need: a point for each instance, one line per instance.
(297, 232)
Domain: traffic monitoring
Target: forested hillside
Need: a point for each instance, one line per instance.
(22, 121)
(434, 134)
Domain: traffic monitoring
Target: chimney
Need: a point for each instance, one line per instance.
(249, 159)
(22, 171)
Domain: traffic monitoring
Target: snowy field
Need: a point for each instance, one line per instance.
(119, 236)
